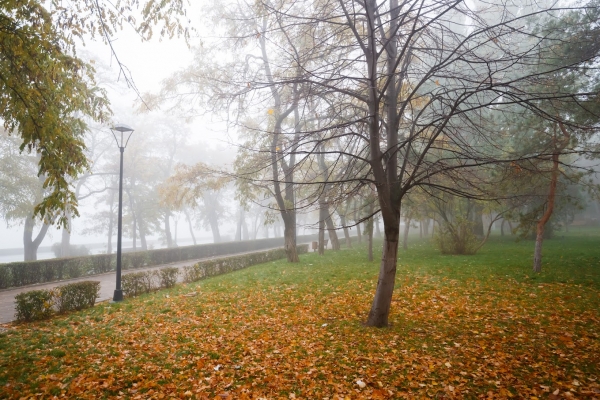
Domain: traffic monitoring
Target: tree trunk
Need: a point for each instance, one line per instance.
(322, 216)
(30, 245)
(426, 227)
(502, 227)
(377, 231)
(537, 256)
(421, 229)
(346, 232)
(175, 235)
(407, 220)
(477, 219)
(369, 229)
(356, 219)
(214, 227)
(189, 221)
(168, 236)
(380, 309)
(369, 233)
(142, 231)
(289, 238)
(333, 237)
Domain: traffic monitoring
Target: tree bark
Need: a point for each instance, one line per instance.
(369, 233)
(539, 239)
(477, 219)
(377, 230)
(142, 231)
(289, 238)
(286, 198)
(322, 216)
(380, 309)
(537, 256)
(189, 221)
(30, 245)
(407, 220)
(214, 227)
(346, 232)
(168, 235)
(356, 219)
(333, 237)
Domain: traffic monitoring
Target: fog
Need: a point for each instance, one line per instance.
(188, 129)
(148, 64)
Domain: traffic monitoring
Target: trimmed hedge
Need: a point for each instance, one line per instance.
(168, 276)
(33, 305)
(207, 268)
(138, 283)
(76, 296)
(41, 304)
(28, 273)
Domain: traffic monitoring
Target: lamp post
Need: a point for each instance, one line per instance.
(122, 143)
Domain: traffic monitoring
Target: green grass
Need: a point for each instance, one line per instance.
(572, 257)
(461, 327)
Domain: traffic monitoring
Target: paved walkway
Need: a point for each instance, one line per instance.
(107, 284)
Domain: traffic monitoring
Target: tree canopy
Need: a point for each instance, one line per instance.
(46, 94)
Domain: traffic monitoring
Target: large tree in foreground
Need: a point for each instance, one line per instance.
(402, 90)
(422, 76)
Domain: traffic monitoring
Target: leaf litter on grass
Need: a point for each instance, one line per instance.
(448, 338)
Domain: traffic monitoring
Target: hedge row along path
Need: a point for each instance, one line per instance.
(107, 284)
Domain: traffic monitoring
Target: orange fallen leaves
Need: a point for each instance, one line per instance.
(446, 341)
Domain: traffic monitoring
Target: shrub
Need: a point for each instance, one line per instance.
(168, 276)
(457, 238)
(102, 263)
(33, 305)
(150, 280)
(27, 273)
(194, 273)
(4, 277)
(133, 284)
(135, 260)
(76, 296)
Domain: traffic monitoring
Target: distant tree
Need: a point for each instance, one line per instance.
(198, 187)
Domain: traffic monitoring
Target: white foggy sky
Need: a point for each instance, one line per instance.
(149, 63)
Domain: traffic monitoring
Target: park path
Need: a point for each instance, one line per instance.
(107, 284)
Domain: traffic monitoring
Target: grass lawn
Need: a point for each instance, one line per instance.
(478, 326)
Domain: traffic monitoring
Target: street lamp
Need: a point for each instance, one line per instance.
(122, 129)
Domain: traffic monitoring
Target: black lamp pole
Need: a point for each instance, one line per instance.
(122, 128)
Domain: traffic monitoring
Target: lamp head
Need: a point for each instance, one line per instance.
(122, 128)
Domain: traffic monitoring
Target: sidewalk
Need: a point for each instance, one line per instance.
(107, 284)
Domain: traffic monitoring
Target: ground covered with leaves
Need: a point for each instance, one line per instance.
(462, 327)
